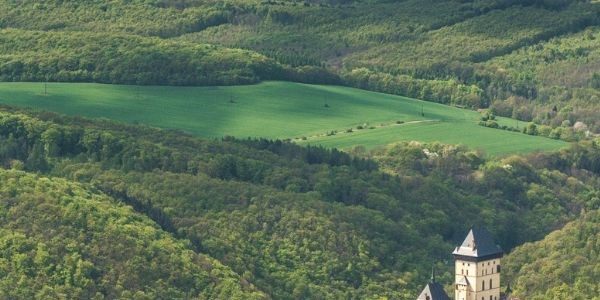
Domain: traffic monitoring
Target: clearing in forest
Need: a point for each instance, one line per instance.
(307, 114)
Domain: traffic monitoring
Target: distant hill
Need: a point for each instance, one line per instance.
(535, 60)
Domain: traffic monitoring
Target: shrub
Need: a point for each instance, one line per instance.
(530, 129)
(491, 124)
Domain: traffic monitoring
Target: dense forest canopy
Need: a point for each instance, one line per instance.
(63, 240)
(512, 56)
(98, 209)
(293, 222)
(564, 265)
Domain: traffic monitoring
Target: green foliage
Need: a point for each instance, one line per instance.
(292, 221)
(561, 74)
(273, 110)
(441, 91)
(562, 265)
(141, 17)
(595, 81)
(59, 239)
(467, 53)
(112, 58)
(530, 129)
(296, 222)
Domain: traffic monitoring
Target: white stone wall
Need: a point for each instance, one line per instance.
(477, 274)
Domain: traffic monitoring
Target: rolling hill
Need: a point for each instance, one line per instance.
(59, 239)
(176, 189)
(279, 110)
(562, 265)
(468, 53)
(181, 213)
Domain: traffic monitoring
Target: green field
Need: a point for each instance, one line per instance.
(492, 141)
(277, 110)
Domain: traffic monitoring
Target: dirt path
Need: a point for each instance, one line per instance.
(365, 127)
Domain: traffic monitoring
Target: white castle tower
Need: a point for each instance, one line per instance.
(477, 267)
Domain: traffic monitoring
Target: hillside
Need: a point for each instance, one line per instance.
(511, 55)
(287, 149)
(429, 49)
(562, 265)
(59, 239)
(121, 58)
(300, 222)
(308, 114)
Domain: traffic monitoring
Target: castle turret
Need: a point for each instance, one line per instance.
(433, 290)
(477, 267)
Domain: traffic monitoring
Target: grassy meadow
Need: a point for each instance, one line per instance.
(302, 112)
(491, 141)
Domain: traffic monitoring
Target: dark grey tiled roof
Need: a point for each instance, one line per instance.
(434, 291)
(478, 243)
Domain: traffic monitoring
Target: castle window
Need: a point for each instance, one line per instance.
(467, 272)
(483, 285)
(491, 297)
(462, 272)
(498, 269)
(490, 284)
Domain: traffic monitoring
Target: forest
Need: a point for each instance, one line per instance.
(556, 267)
(99, 209)
(285, 221)
(534, 60)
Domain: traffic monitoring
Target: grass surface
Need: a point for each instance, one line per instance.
(492, 141)
(277, 110)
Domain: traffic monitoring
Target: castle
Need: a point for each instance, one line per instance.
(477, 269)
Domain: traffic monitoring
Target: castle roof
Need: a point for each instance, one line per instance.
(478, 244)
(433, 291)
(463, 281)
